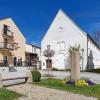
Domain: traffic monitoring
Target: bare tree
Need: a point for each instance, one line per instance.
(48, 53)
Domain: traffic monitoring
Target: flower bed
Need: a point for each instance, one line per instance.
(54, 83)
(81, 83)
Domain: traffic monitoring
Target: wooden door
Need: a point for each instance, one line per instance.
(5, 59)
(49, 63)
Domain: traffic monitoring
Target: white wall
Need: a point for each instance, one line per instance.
(33, 49)
(28, 48)
(95, 52)
(63, 30)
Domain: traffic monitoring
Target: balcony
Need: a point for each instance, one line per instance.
(6, 46)
(8, 33)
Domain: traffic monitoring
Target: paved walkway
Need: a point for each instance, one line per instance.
(34, 92)
(62, 74)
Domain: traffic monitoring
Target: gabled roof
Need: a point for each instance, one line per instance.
(85, 33)
(33, 45)
(9, 18)
(4, 18)
(74, 25)
(72, 22)
(93, 41)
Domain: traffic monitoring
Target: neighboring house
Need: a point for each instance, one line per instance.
(12, 44)
(33, 55)
(15, 52)
(13, 48)
(64, 33)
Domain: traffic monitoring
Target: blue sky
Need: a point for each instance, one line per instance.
(33, 17)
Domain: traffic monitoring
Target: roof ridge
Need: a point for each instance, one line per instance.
(4, 18)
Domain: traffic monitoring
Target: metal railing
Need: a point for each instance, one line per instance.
(18, 64)
(4, 45)
(8, 33)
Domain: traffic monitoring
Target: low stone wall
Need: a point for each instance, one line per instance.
(10, 78)
(1, 82)
(14, 81)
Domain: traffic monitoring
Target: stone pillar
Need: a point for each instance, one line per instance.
(10, 60)
(1, 83)
(29, 75)
(75, 66)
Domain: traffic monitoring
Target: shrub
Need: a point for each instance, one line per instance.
(36, 76)
(94, 70)
(81, 83)
(68, 69)
(56, 69)
(74, 48)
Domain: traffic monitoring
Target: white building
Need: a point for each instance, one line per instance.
(33, 55)
(62, 34)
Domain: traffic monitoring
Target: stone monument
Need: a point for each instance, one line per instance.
(75, 66)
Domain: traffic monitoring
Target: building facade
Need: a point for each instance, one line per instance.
(64, 33)
(14, 51)
(33, 55)
(12, 44)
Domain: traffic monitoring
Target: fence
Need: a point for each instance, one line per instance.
(22, 64)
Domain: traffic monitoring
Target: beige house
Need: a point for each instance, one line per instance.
(12, 43)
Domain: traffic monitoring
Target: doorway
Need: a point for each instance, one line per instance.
(5, 29)
(5, 61)
(60, 61)
(49, 63)
(5, 43)
(15, 61)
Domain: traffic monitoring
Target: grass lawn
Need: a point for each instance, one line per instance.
(57, 84)
(8, 95)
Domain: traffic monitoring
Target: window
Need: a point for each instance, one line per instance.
(6, 27)
(34, 50)
(58, 46)
(37, 58)
(60, 29)
(62, 46)
(48, 47)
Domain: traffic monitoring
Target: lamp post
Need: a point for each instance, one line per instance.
(82, 50)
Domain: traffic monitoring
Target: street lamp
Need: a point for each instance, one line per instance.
(82, 50)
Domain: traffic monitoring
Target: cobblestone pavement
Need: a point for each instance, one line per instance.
(34, 92)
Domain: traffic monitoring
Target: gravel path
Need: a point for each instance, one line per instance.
(34, 92)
